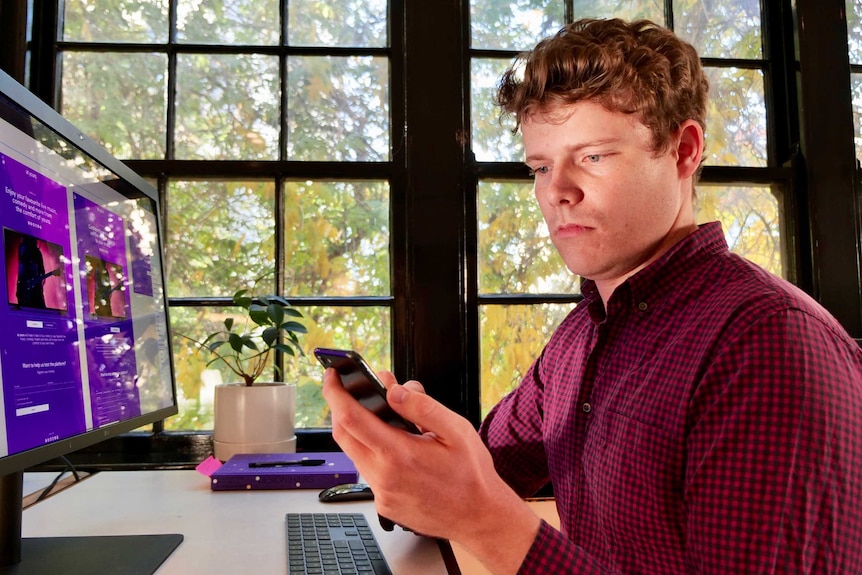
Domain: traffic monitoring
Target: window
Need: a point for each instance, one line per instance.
(349, 154)
(267, 130)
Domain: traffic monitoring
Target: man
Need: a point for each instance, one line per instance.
(694, 413)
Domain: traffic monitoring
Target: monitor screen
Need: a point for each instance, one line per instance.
(84, 348)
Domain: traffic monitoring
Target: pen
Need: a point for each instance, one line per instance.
(301, 462)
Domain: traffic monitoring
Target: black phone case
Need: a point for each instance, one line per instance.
(362, 383)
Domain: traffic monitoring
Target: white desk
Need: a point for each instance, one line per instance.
(230, 532)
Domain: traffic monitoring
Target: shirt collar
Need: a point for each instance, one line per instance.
(652, 282)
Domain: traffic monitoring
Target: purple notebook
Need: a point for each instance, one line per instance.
(284, 471)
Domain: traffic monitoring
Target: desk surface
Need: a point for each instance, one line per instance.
(225, 531)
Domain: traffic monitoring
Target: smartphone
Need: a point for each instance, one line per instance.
(361, 382)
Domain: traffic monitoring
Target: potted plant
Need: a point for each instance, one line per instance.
(252, 416)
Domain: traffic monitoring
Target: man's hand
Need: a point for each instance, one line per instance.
(441, 483)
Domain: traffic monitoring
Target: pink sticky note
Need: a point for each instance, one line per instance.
(208, 466)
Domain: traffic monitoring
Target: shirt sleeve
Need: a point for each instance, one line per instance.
(512, 431)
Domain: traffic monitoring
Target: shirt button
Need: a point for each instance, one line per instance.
(587, 407)
(643, 306)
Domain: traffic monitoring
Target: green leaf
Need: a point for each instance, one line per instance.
(215, 345)
(258, 315)
(248, 342)
(284, 348)
(269, 336)
(278, 299)
(236, 342)
(293, 326)
(275, 313)
(292, 312)
(228, 323)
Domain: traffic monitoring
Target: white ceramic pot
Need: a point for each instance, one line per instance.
(254, 419)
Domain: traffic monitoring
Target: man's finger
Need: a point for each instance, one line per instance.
(426, 412)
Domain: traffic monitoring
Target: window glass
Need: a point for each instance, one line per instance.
(337, 108)
(221, 237)
(856, 91)
(227, 107)
(493, 140)
(336, 238)
(736, 118)
(118, 99)
(625, 9)
(141, 21)
(854, 30)
(365, 329)
(497, 25)
(515, 250)
(720, 28)
(228, 22)
(345, 23)
(751, 217)
(512, 337)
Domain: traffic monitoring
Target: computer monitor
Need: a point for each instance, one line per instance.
(84, 348)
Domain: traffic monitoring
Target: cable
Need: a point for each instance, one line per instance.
(70, 468)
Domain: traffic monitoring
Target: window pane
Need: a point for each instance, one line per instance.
(254, 22)
(854, 30)
(493, 141)
(519, 25)
(720, 28)
(144, 21)
(337, 238)
(856, 90)
(625, 9)
(365, 329)
(118, 99)
(751, 219)
(736, 118)
(338, 109)
(512, 337)
(344, 24)
(227, 107)
(515, 250)
(220, 236)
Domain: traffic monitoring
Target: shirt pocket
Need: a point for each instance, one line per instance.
(634, 474)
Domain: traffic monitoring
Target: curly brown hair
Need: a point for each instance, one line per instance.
(630, 67)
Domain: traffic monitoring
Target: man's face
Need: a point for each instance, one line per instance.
(611, 203)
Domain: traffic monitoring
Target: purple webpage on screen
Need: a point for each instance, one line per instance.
(41, 373)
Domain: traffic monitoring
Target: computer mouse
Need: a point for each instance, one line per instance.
(346, 492)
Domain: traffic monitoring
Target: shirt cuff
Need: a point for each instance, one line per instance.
(552, 553)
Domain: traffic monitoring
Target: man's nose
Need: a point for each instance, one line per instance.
(564, 187)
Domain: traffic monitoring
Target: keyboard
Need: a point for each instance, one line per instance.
(332, 544)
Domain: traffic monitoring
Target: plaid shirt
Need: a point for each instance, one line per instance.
(710, 421)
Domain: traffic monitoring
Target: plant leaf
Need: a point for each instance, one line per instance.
(293, 326)
(248, 342)
(284, 348)
(228, 323)
(258, 315)
(236, 342)
(275, 313)
(269, 336)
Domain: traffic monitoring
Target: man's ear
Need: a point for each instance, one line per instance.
(689, 148)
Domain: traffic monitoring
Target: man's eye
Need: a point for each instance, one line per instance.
(539, 170)
(594, 158)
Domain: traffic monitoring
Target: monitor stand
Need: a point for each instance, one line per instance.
(103, 554)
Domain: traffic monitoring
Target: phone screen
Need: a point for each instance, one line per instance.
(361, 382)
